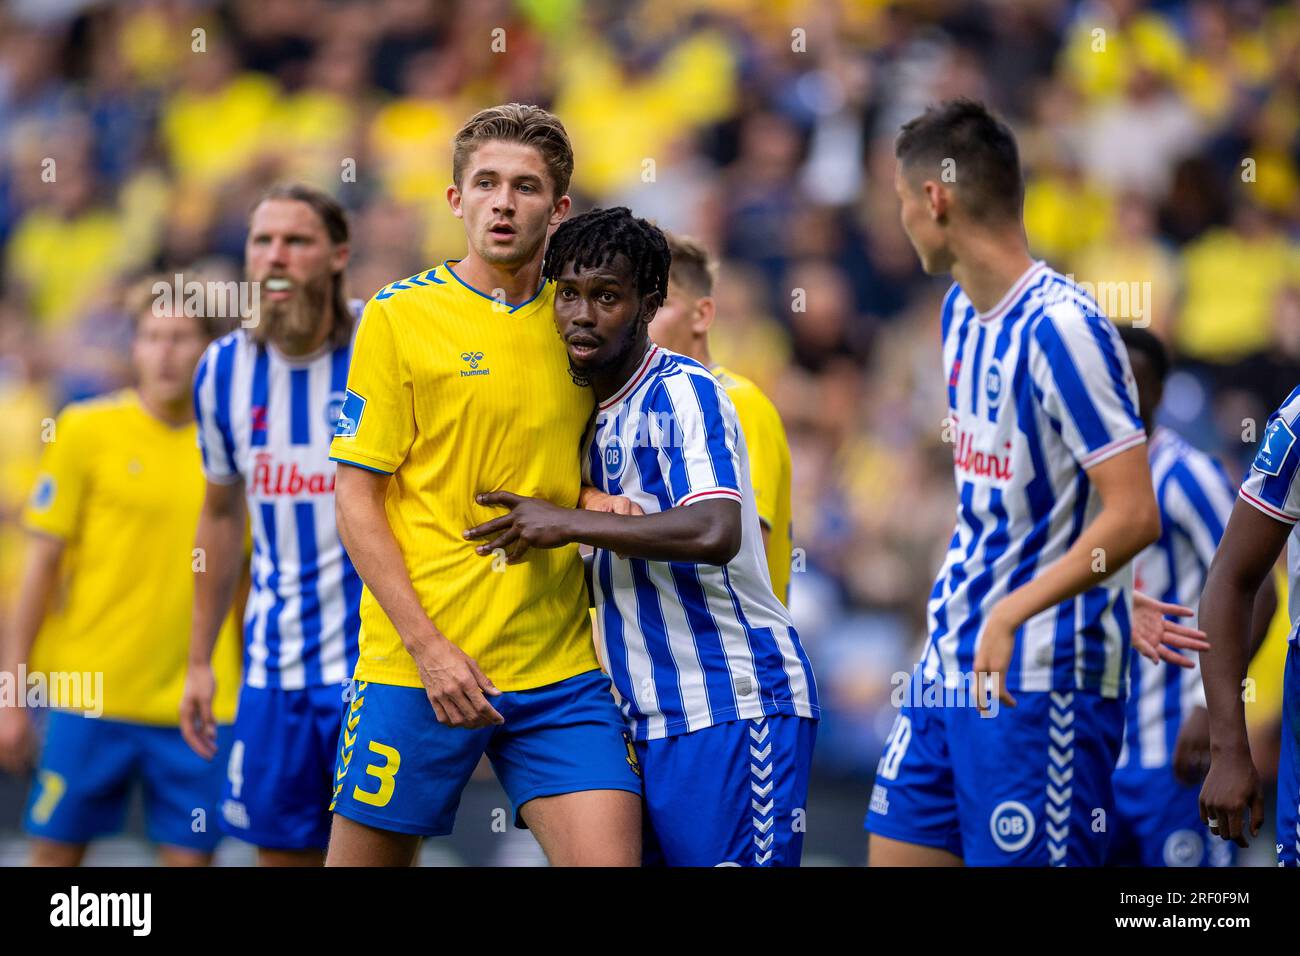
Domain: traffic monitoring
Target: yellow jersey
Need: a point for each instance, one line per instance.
(123, 490)
(454, 393)
(769, 471)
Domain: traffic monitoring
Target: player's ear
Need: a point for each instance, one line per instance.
(706, 309)
(650, 303)
(560, 210)
(453, 200)
(937, 200)
(339, 257)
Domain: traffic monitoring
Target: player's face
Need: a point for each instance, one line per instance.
(674, 325)
(290, 255)
(165, 351)
(599, 314)
(508, 202)
(917, 215)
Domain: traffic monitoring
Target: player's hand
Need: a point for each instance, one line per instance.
(992, 658)
(593, 499)
(1192, 749)
(1231, 789)
(198, 726)
(455, 685)
(16, 741)
(531, 523)
(1155, 636)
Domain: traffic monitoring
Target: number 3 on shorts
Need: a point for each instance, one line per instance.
(385, 773)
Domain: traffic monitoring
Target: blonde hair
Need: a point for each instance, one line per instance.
(517, 123)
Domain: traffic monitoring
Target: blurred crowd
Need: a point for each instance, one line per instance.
(1161, 144)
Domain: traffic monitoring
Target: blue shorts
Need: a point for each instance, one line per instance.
(1024, 787)
(1157, 822)
(277, 789)
(733, 794)
(399, 769)
(83, 783)
(1288, 767)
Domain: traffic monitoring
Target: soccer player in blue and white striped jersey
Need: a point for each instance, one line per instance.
(707, 667)
(267, 399)
(1265, 518)
(1157, 821)
(1032, 606)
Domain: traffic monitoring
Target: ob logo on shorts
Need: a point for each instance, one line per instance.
(1183, 848)
(1012, 826)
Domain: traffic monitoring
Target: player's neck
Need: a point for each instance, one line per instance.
(700, 352)
(988, 265)
(297, 346)
(516, 284)
(173, 413)
(607, 383)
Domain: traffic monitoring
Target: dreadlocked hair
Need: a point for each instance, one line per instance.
(595, 238)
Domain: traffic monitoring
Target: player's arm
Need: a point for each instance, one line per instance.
(1128, 521)
(219, 541)
(706, 532)
(452, 679)
(40, 577)
(1229, 614)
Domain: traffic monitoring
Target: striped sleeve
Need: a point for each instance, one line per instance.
(1198, 500)
(212, 410)
(1081, 371)
(698, 434)
(1271, 484)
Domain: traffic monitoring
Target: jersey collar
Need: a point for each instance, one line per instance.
(1014, 293)
(630, 385)
(511, 308)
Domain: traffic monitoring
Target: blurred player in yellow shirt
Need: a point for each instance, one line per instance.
(682, 325)
(106, 601)
(459, 386)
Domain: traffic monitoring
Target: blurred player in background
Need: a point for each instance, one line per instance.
(1034, 600)
(1264, 519)
(109, 590)
(267, 399)
(460, 386)
(1166, 727)
(682, 325)
(707, 666)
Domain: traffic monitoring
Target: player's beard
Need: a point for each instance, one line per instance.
(582, 376)
(298, 319)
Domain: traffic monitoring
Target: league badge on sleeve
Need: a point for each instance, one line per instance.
(1278, 441)
(43, 494)
(354, 406)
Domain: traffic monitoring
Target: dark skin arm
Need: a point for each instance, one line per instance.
(1249, 549)
(1192, 749)
(704, 533)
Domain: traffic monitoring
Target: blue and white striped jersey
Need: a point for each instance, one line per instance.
(1195, 497)
(1039, 390)
(268, 420)
(1271, 486)
(687, 645)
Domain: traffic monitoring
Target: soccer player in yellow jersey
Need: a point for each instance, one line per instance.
(682, 325)
(459, 385)
(107, 594)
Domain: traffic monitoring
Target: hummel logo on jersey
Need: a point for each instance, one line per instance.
(1277, 444)
(473, 359)
(956, 371)
(258, 413)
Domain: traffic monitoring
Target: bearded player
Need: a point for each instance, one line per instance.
(267, 399)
